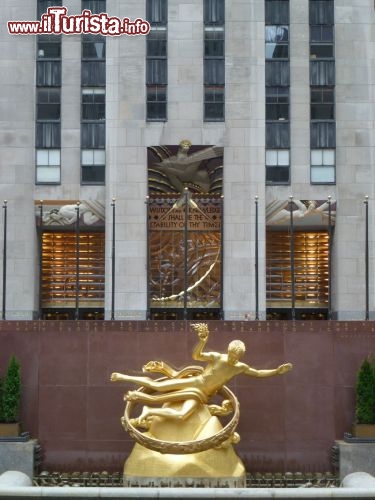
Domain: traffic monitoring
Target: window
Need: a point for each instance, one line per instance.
(156, 71)
(93, 60)
(156, 101)
(214, 60)
(93, 104)
(321, 12)
(213, 102)
(214, 12)
(49, 47)
(93, 73)
(48, 73)
(277, 73)
(48, 135)
(44, 4)
(93, 166)
(322, 166)
(277, 42)
(322, 103)
(321, 42)
(277, 135)
(277, 12)
(48, 104)
(48, 166)
(277, 78)
(93, 135)
(156, 63)
(157, 43)
(322, 92)
(214, 41)
(48, 66)
(277, 103)
(214, 72)
(322, 134)
(93, 47)
(277, 166)
(322, 73)
(156, 12)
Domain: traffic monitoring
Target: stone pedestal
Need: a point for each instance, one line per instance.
(217, 466)
(356, 457)
(18, 456)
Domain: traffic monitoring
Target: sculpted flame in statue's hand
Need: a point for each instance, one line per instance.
(180, 417)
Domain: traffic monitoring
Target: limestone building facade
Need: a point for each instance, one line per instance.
(275, 98)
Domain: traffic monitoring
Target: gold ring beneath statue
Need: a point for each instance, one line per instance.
(185, 447)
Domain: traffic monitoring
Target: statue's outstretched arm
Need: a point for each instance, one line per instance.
(252, 372)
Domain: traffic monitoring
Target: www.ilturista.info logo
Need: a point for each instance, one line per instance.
(56, 22)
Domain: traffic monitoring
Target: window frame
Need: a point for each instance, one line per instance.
(156, 77)
(88, 107)
(39, 166)
(277, 93)
(322, 165)
(322, 103)
(215, 103)
(277, 12)
(277, 165)
(214, 61)
(158, 90)
(93, 164)
(276, 42)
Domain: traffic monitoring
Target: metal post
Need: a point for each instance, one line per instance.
(329, 258)
(4, 258)
(367, 315)
(40, 314)
(256, 261)
(292, 271)
(77, 263)
(113, 205)
(186, 250)
(222, 257)
(148, 313)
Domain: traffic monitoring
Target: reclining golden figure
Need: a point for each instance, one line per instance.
(191, 387)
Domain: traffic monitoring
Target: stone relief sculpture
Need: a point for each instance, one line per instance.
(278, 211)
(185, 186)
(182, 434)
(183, 169)
(90, 211)
(171, 169)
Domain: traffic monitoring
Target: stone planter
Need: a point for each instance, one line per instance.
(10, 429)
(364, 431)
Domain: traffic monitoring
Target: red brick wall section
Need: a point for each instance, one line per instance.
(287, 423)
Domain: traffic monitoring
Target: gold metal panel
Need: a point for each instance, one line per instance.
(311, 270)
(59, 268)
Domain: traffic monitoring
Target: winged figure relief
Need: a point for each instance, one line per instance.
(184, 170)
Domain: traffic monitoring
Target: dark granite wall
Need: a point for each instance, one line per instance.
(287, 423)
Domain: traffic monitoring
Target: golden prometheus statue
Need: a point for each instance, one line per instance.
(179, 433)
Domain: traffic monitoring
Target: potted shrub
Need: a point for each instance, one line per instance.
(364, 426)
(10, 394)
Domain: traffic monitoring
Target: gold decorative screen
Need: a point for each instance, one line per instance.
(59, 269)
(311, 269)
(185, 253)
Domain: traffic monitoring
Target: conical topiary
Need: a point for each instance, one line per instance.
(1, 401)
(365, 393)
(11, 392)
